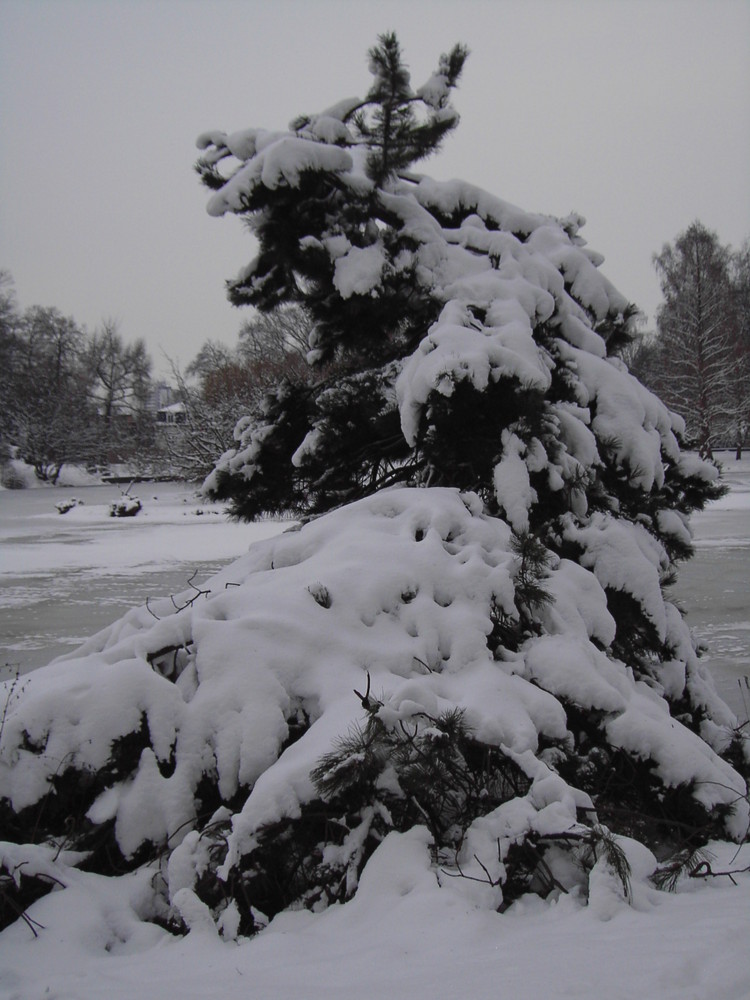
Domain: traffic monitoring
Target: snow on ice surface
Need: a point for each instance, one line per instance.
(36, 538)
(713, 586)
(64, 577)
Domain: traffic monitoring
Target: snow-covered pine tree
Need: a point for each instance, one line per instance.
(328, 217)
(478, 662)
(462, 342)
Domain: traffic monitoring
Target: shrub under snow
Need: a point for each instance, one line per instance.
(192, 738)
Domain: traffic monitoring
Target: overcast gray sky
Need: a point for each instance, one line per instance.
(635, 113)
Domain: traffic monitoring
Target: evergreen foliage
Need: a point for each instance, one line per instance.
(306, 227)
(461, 341)
(478, 343)
(369, 251)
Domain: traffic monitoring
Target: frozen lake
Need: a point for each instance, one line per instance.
(65, 577)
(714, 586)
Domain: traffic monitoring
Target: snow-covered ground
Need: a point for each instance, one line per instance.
(402, 935)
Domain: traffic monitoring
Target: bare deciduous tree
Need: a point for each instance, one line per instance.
(120, 386)
(697, 371)
(231, 383)
(50, 417)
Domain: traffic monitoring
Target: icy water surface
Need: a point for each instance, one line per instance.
(63, 577)
(714, 586)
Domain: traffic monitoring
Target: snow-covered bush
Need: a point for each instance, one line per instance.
(11, 478)
(125, 506)
(477, 644)
(63, 506)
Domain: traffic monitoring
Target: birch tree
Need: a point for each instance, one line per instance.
(697, 372)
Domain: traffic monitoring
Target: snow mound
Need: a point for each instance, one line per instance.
(409, 596)
(16, 474)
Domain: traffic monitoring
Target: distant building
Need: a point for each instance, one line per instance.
(161, 396)
(172, 414)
